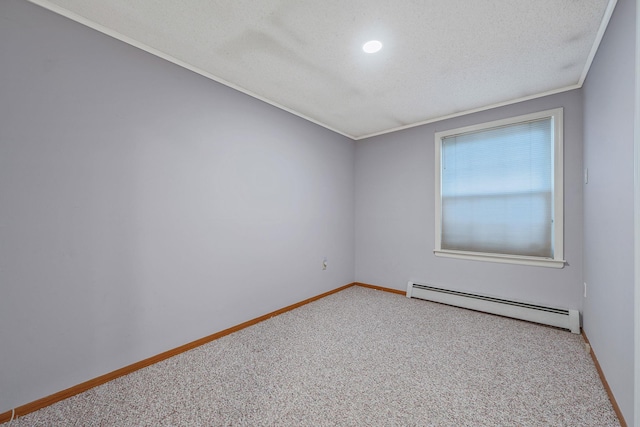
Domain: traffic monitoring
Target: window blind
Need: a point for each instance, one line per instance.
(497, 190)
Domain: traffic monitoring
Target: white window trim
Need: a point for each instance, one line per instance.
(558, 200)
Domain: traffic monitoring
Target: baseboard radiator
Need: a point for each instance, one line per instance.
(562, 318)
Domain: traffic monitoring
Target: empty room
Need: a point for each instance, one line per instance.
(319, 213)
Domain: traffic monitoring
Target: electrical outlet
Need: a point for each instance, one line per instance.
(585, 289)
(586, 175)
(324, 263)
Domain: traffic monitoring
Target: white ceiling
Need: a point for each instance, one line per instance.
(441, 58)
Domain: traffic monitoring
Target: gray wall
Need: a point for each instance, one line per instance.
(608, 204)
(395, 214)
(143, 206)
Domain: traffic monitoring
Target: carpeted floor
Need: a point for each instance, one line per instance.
(359, 358)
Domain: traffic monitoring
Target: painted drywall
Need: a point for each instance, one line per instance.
(143, 206)
(608, 204)
(395, 210)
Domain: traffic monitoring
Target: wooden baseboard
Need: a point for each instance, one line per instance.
(380, 288)
(72, 391)
(612, 398)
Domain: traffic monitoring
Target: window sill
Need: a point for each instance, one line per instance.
(507, 259)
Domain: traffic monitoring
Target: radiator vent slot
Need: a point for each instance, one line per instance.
(559, 317)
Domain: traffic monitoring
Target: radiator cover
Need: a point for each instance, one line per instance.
(559, 317)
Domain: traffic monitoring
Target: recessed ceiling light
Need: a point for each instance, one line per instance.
(372, 46)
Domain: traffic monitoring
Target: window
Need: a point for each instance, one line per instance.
(499, 191)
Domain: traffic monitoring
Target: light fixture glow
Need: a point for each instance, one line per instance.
(372, 46)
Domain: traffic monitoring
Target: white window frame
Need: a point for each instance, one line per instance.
(558, 193)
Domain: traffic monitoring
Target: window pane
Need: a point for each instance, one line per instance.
(497, 190)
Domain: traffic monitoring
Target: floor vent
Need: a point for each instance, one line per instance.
(562, 318)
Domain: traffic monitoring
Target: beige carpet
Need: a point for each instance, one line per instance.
(359, 358)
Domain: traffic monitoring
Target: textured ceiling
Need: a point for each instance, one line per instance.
(440, 58)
